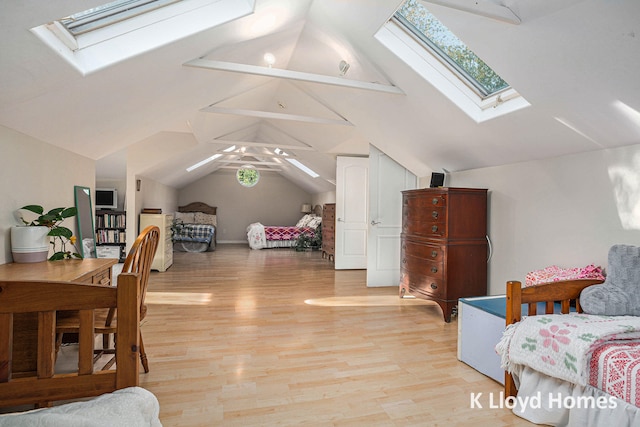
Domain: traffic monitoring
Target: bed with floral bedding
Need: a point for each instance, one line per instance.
(270, 236)
(576, 368)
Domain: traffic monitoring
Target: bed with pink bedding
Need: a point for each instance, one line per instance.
(271, 236)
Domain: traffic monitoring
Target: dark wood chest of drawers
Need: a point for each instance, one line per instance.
(329, 230)
(444, 245)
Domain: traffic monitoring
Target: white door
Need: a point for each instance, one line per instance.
(387, 180)
(352, 205)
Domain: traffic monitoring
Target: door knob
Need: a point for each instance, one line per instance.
(375, 222)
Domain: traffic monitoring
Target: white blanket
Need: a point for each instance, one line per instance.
(128, 407)
(255, 235)
(560, 345)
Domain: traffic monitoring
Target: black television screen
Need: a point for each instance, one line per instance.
(106, 198)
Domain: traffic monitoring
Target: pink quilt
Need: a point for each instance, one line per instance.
(286, 233)
(615, 368)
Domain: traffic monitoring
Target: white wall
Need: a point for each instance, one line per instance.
(33, 172)
(565, 211)
(322, 198)
(153, 194)
(273, 201)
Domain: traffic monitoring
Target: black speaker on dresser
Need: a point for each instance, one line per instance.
(437, 180)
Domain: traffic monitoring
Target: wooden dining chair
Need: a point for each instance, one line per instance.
(138, 261)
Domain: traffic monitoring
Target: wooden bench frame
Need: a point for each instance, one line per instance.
(45, 298)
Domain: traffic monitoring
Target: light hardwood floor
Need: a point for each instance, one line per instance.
(278, 337)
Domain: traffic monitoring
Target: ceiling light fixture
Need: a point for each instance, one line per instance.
(229, 149)
(343, 67)
(279, 152)
(269, 58)
(204, 162)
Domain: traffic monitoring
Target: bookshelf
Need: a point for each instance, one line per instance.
(110, 234)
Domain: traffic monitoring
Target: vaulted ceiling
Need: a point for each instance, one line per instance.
(159, 112)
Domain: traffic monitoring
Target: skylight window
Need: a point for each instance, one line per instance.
(109, 13)
(204, 162)
(417, 37)
(104, 35)
(303, 168)
(414, 16)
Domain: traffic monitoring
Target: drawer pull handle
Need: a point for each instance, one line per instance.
(435, 200)
(434, 269)
(404, 260)
(434, 214)
(434, 254)
(434, 286)
(434, 228)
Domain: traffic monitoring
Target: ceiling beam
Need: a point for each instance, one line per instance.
(258, 169)
(247, 162)
(292, 75)
(277, 116)
(241, 154)
(262, 144)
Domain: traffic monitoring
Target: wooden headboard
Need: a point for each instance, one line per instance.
(198, 207)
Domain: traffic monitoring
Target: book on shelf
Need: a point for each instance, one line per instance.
(110, 236)
(107, 220)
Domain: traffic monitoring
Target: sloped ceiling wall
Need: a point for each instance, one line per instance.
(575, 61)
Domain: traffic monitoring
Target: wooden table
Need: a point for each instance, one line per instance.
(95, 271)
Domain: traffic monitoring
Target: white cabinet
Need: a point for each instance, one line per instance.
(164, 253)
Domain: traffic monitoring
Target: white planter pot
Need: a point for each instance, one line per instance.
(29, 244)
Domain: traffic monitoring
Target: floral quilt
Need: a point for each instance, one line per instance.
(562, 345)
(256, 236)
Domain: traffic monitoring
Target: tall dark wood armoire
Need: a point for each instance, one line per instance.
(329, 231)
(444, 245)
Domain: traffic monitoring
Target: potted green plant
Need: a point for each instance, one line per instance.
(306, 241)
(30, 242)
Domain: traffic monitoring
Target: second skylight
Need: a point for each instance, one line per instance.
(426, 27)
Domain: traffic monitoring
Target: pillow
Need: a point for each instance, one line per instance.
(619, 295)
(554, 273)
(304, 220)
(203, 218)
(185, 217)
(315, 222)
